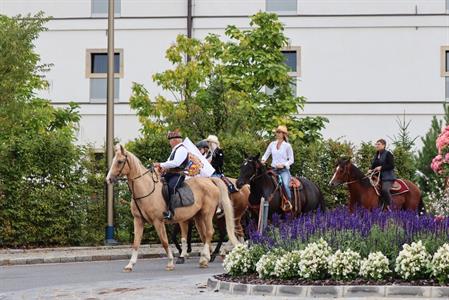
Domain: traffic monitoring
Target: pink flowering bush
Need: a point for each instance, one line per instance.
(440, 163)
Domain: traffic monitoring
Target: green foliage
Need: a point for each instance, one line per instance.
(317, 162)
(19, 64)
(430, 183)
(221, 87)
(47, 189)
(364, 156)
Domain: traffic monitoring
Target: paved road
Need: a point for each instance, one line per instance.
(105, 280)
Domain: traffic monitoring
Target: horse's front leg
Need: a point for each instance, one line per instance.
(138, 232)
(184, 226)
(162, 233)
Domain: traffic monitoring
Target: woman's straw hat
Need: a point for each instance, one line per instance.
(282, 129)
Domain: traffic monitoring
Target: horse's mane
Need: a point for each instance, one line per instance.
(360, 176)
(134, 161)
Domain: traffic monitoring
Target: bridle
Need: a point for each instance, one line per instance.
(255, 175)
(258, 167)
(368, 175)
(154, 178)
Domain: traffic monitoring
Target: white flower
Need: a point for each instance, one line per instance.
(344, 265)
(440, 264)
(238, 261)
(376, 266)
(413, 261)
(266, 264)
(287, 265)
(313, 260)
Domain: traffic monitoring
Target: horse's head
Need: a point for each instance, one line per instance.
(342, 172)
(120, 165)
(248, 169)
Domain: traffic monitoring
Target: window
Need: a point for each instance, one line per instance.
(99, 8)
(282, 6)
(292, 58)
(96, 71)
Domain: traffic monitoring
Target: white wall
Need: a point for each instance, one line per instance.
(360, 72)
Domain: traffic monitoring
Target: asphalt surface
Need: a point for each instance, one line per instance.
(17, 278)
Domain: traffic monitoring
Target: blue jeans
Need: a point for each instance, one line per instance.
(286, 176)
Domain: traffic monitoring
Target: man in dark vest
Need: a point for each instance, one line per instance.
(383, 162)
(173, 168)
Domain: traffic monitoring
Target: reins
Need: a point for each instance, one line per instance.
(131, 187)
(368, 175)
(264, 172)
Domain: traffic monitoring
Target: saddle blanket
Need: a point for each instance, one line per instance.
(399, 187)
(183, 197)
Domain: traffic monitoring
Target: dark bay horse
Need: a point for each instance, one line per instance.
(362, 191)
(262, 184)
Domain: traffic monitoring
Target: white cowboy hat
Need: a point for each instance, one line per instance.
(212, 139)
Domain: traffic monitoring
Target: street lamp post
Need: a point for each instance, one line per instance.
(110, 124)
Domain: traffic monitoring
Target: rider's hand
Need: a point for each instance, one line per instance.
(263, 162)
(378, 168)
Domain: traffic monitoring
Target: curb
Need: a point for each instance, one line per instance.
(83, 258)
(329, 291)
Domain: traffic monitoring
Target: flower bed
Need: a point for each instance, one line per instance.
(336, 248)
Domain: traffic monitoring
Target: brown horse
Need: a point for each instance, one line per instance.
(148, 205)
(362, 191)
(240, 204)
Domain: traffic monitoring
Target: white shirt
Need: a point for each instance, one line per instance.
(283, 155)
(178, 159)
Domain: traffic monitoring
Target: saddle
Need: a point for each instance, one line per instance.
(231, 187)
(182, 197)
(399, 187)
(295, 188)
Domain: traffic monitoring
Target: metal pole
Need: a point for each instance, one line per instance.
(110, 124)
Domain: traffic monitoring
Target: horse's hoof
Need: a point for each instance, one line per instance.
(127, 270)
(180, 260)
(204, 265)
(170, 268)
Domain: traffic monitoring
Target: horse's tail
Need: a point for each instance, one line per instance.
(228, 210)
(322, 204)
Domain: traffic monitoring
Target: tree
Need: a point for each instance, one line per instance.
(221, 88)
(429, 182)
(42, 187)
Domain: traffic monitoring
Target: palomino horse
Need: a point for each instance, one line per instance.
(148, 205)
(262, 184)
(362, 191)
(240, 203)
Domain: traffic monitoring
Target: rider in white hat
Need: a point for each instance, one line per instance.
(217, 161)
(282, 157)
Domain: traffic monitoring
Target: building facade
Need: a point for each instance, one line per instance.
(361, 63)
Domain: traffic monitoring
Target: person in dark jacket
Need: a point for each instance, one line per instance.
(217, 161)
(383, 162)
(217, 158)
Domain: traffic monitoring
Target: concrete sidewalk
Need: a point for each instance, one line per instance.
(79, 254)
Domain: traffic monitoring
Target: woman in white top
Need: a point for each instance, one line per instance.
(282, 157)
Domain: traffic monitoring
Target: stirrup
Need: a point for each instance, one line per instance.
(168, 215)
